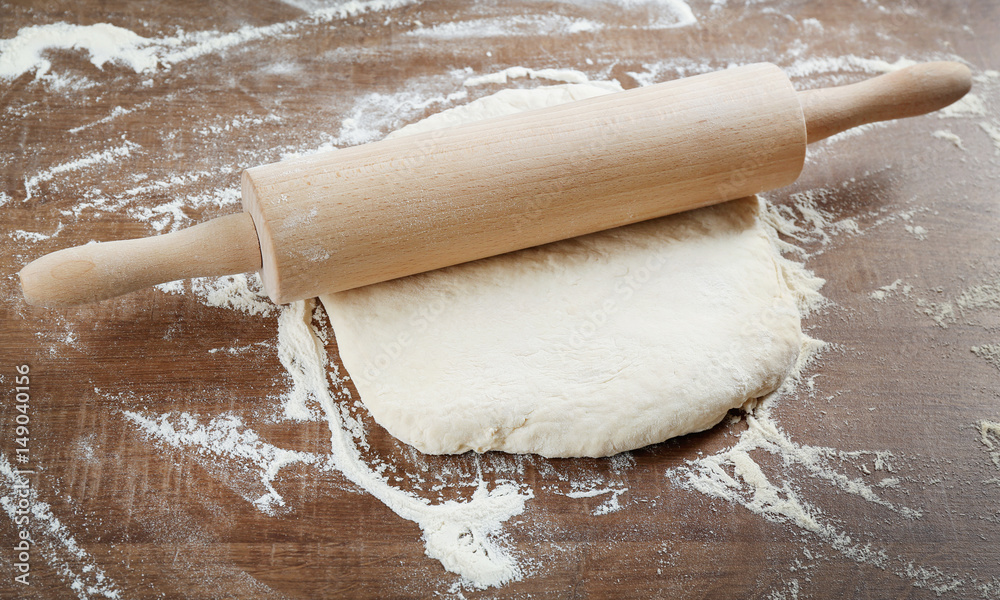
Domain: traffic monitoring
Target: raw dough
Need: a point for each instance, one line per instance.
(586, 347)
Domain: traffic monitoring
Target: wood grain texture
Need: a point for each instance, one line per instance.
(172, 522)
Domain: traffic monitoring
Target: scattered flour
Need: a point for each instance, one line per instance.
(56, 542)
(295, 351)
(352, 8)
(916, 231)
(190, 46)
(105, 43)
(243, 292)
(464, 535)
(173, 214)
(226, 438)
(970, 105)
(992, 130)
(804, 220)
(501, 27)
(968, 302)
(812, 25)
(171, 287)
(734, 476)
(848, 62)
(652, 14)
(681, 13)
(34, 236)
(96, 158)
(989, 435)
(790, 592)
(375, 113)
(943, 134)
(610, 505)
(115, 113)
(239, 350)
(169, 215)
(171, 183)
(502, 77)
(988, 352)
(240, 292)
(108, 43)
(986, 76)
(887, 290)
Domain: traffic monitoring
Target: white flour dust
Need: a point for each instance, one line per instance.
(989, 435)
(106, 43)
(964, 307)
(978, 105)
(225, 439)
(515, 26)
(103, 157)
(988, 352)
(888, 290)
(743, 475)
(34, 236)
(463, 535)
(502, 77)
(116, 112)
(648, 14)
(944, 134)
(55, 541)
(609, 494)
(735, 475)
(103, 43)
(993, 131)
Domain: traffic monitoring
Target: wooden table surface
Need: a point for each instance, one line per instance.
(100, 154)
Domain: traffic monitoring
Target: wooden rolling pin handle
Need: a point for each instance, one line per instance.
(100, 271)
(908, 92)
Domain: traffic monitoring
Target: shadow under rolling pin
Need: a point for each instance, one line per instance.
(340, 220)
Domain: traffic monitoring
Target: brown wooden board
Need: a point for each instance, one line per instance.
(154, 520)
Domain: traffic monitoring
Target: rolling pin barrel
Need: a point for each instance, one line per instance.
(335, 221)
(340, 220)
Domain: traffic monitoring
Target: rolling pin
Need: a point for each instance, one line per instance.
(339, 220)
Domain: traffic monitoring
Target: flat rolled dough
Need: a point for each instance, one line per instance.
(586, 347)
